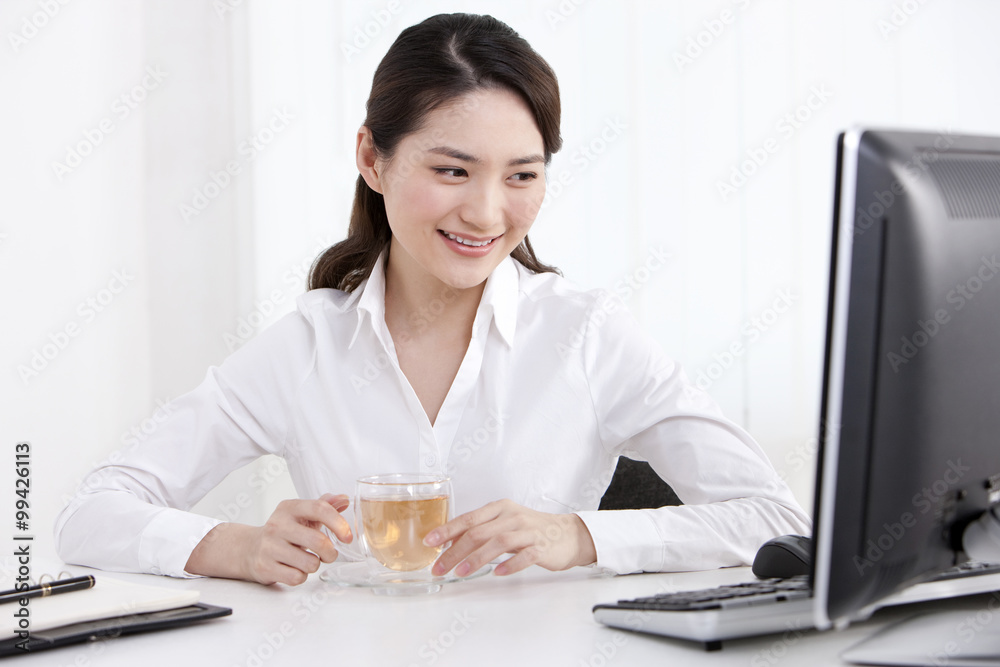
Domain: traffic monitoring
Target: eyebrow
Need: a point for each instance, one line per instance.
(465, 157)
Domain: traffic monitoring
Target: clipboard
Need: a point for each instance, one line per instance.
(108, 628)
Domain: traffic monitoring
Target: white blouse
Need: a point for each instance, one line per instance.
(556, 383)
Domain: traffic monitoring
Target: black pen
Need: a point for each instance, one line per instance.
(49, 588)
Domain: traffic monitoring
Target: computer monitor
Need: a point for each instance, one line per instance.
(910, 423)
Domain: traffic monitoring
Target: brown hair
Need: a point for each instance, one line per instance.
(430, 65)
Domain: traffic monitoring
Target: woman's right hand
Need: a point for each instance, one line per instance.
(286, 549)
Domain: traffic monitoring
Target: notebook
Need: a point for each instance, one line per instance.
(111, 608)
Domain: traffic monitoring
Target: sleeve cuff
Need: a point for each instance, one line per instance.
(168, 540)
(626, 541)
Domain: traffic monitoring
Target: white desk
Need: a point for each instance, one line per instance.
(532, 618)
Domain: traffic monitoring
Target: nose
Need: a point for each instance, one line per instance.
(483, 206)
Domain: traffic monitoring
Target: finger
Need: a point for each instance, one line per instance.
(461, 524)
(471, 555)
(309, 539)
(517, 562)
(465, 545)
(284, 563)
(297, 559)
(279, 573)
(322, 512)
(340, 502)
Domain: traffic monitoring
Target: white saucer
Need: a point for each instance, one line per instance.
(359, 575)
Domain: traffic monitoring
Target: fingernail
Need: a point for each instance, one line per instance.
(437, 570)
(463, 569)
(432, 538)
(500, 569)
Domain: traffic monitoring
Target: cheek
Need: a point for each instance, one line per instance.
(524, 208)
(418, 201)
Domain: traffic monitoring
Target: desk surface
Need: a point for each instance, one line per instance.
(531, 618)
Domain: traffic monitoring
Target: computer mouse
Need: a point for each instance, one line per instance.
(783, 557)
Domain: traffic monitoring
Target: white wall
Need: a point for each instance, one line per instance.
(663, 135)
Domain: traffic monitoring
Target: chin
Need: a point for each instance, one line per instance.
(464, 281)
(465, 277)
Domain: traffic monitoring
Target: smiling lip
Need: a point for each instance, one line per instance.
(469, 246)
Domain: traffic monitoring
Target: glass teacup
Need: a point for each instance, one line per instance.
(393, 514)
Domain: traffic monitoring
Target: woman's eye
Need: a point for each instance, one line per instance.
(454, 172)
(525, 176)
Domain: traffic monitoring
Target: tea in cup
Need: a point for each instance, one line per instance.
(395, 512)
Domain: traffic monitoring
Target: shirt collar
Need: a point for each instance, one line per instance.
(372, 300)
(499, 301)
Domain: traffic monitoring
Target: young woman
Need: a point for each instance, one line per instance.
(432, 339)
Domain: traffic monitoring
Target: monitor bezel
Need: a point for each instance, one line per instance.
(842, 245)
(865, 311)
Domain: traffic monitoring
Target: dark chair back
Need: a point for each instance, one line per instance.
(635, 485)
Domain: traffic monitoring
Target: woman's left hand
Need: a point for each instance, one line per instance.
(553, 541)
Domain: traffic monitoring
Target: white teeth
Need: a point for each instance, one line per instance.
(474, 244)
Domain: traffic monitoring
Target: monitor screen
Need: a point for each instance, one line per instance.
(911, 401)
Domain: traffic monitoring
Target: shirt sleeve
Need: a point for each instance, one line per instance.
(734, 500)
(131, 513)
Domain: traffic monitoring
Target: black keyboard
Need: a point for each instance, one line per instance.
(969, 568)
(751, 593)
(765, 592)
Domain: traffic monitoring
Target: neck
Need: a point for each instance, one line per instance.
(418, 303)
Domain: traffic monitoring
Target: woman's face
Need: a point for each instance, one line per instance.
(462, 192)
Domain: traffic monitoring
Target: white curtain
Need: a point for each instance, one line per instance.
(170, 169)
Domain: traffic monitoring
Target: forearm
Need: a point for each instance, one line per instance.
(585, 549)
(223, 552)
(116, 531)
(689, 537)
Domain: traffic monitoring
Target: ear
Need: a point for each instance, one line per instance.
(367, 159)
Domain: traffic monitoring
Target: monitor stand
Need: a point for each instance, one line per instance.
(955, 637)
